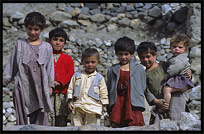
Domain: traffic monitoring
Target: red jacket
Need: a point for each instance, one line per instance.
(64, 69)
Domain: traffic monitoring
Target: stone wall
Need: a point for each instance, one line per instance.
(99, 25)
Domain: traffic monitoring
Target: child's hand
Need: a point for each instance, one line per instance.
(69, 107)
(165, 106)
(56, 83)
(188, 73)
(50, 91)
(160, 102)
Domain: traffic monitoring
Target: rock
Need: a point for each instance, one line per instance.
(180, 15)
(98, 18)
(5, 90)
(165, 9)
(6, 22)
(83, 17)
(129, 8)
(11, 118)
(59, 16)
(195, 52)
(166, 124)
(189, 122)
(149, 20)
(91, 5)
(17, 16)
(124, 22)
(75, 4)
(195, 93)
(112, 28)
(98, 42)
(134, 23)
(106, 11)
(107, 43)
(75, 12)
(92, 127)
(196, 66)
(4, 118)
(61, 6)
(68, 23)
(163, 41)
(155, 12)
(171, 27)
(138, 5)
(9, 110)
(121, 9)
(95, 11)
(4, 111)
(84, 10)
(84, 22)
(147, 6)
(68, 9)
(7, 104)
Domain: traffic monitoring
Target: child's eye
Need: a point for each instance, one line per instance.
(61, 40)
(36, 29)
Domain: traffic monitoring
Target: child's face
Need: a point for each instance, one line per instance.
(147, 59)
(90, 64)
(178, 48)
(57, 43)
(124, 57)
(33, 32)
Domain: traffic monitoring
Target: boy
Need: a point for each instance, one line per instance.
(87, 92)
(64, 69)
(147, 52)
(32, 66)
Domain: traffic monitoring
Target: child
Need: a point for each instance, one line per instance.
(178, 66)
(147, 52)
(126, 83)
(64, 69)
(31, 62)
(87, 92)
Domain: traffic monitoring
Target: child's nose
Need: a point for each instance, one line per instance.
(145, 59)
(124, 56)
(32, 31)
(58, 41)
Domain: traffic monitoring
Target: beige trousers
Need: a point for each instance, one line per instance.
(80, 118)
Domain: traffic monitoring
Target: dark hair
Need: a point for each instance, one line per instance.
(90, 52)
(58, 32)
(125, 44)
(180, 38)
(35, 18)
(146, 47)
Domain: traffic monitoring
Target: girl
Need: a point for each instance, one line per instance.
(126, 83)
(178, 66)
(31, 62)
